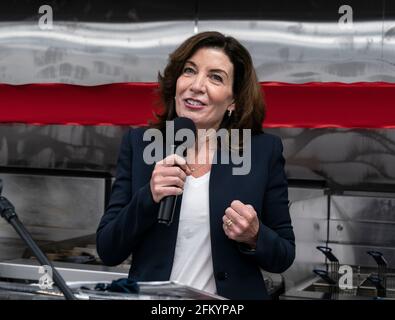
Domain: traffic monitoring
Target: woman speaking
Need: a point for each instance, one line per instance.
(227, 227)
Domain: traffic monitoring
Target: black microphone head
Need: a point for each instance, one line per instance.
(182, 123)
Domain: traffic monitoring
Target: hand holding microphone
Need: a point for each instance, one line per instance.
(168, 177)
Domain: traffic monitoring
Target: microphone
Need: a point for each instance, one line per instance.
(181, 125)
(7, 211)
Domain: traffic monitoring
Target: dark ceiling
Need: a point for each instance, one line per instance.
(159, 10)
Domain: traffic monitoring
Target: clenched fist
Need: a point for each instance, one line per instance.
(241, 223)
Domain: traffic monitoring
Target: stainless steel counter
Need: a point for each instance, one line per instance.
(19, 278)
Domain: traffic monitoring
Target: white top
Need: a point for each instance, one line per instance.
(193, 264)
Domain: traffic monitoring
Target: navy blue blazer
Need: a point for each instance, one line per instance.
(129, 225)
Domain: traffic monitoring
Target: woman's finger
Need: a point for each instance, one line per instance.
(169, 191)
(236, 219)
(170, 181)
(245, 210)
(175, 160)
(172, 171)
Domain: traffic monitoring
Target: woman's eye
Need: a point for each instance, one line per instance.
(188, 70)
(216, 77)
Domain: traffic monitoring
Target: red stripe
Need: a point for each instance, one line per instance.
(364, 104)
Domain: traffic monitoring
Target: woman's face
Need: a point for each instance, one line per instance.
(204, 89)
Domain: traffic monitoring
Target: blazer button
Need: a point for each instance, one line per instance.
(222, 275)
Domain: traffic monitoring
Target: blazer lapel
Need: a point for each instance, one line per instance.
(222, 191)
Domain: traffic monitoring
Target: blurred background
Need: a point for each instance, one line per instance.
(342, 180)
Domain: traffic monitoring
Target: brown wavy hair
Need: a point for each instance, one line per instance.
(250, 108)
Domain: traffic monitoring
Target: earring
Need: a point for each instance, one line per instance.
(230, 112)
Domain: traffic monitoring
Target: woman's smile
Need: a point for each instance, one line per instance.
(194, 104)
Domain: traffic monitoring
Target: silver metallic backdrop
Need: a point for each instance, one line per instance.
(285, 51)
(288, 51)
(340, 156)
(288, 43)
